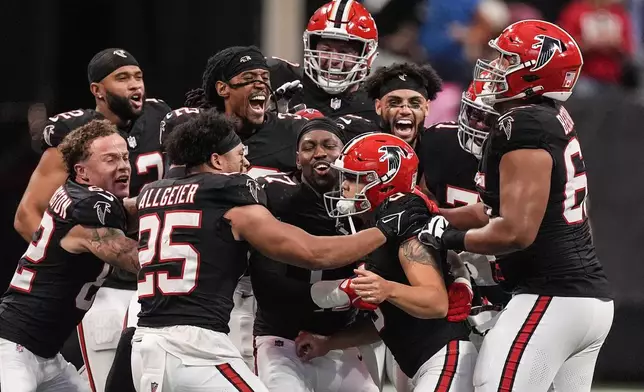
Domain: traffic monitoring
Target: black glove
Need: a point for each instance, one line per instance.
(402, 216)
(440, 235)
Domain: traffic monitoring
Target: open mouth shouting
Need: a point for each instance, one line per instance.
(136, 100)
(321, 168)
(257, 103)
(404, 128)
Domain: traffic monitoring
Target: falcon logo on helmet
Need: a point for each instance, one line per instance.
(394, 156)
(548, 47)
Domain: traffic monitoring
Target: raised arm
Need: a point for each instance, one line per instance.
(292, 245)
(107, 243)
(48, 176)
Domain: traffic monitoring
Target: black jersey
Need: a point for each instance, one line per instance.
(449, 170)
(283, 292)
(52, 288)
(356, 103)
(142, 138)
(354, 125)
(412, 341)
(190, 261)
(272, 147)
(175, 118)
(562, 260)
(144, 145)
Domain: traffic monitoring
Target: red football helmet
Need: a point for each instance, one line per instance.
(475, 120)
(343, 20)
(310, 114)
(535, 58)
(381, 163)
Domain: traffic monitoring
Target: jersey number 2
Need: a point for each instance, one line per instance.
(24, 277)
(161, 249)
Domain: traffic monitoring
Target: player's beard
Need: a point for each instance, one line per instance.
(121, 107)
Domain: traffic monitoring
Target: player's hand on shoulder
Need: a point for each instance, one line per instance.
(309, 345)
(432, 233)
(402, 216)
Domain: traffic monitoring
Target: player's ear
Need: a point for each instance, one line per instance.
(97, 90)
(223, 89)
(378, 107)
(81, 172)
(297, 161)
(216, 161)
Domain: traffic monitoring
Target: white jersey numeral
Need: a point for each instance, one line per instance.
(161, 249)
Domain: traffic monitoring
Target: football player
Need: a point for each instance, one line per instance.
(237, 82)
(532, 183)
(405, 279)
(116, 81)
(284, 304)
(58, 277)
(119, 378)
(450, 154)
(402, 94)
(340, 43)
(194, 237)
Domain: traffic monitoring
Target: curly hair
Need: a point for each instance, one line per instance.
(424, 74)
(75, 147)
(193, 142)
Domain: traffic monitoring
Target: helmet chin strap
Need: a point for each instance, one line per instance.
(527, 93)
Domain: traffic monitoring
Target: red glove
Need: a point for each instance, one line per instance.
(356, 300)
(431, 204)
(460, 300)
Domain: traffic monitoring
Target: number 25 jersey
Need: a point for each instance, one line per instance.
(562, 260)
(190, 261)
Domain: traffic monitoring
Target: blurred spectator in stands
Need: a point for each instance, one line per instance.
(455, 33)
(603, 30)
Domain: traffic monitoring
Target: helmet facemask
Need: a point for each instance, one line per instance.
(336, 80)
(339, 206)
(475, 120)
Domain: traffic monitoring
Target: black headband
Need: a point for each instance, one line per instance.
(226, 144)
(242, 60)
(403, 82)
(321, 124)
(107, 61)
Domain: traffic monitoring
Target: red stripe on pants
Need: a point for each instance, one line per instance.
(83, 346)
(234, 378)
(520, 343)
(449, 367)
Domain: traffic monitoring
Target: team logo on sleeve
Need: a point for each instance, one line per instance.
(46, 134)
(548, 47)
(505, 125)
(394, 156)
(102, 209)
(253, 188)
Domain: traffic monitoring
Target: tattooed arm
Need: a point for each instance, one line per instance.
(107, 243)
(426, 296)
(129, 203)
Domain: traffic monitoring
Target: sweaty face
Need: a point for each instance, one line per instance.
(338, 56)
(124, 92)
(403, 111)
(316, 152)
(249, 95)
(234, 161)
(107, 166)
